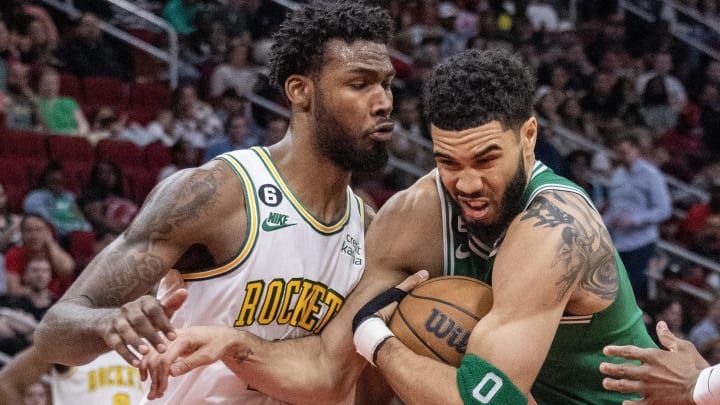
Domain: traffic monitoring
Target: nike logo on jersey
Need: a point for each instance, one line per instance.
(462, 252)
(275, 221)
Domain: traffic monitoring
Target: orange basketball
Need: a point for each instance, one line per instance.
(436, 317)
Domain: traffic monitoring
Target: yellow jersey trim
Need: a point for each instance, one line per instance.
(307, 216)
(251, 206)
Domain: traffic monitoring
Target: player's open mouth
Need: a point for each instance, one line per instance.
(474, 210)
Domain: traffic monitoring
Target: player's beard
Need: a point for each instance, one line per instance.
(342, 144)
(510, 207)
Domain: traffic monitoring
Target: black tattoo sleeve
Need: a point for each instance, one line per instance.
(585, 249)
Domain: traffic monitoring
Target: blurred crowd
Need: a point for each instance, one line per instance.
(648, 102)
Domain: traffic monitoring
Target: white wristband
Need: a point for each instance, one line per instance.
(368, 336)
(707, 387)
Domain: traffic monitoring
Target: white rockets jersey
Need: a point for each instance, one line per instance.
(288, 280)
(107, 380)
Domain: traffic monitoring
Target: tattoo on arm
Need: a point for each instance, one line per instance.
(134, 269)
(586, 250)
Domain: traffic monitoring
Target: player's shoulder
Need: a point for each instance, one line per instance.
(420, 198)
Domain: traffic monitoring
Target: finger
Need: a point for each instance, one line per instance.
(667, 339)
(412, 281)
(115, 342)
(628, 352)
(151, 321)
(623, 370)
(174, 301)
(119, 336)
(622, 385)
(186, 364)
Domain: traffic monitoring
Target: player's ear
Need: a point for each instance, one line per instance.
(298, 89)
(528, 134)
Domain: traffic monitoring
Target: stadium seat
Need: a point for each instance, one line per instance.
(157, 155)
(103, 92)
(140, 183)
(125, 154)
(150, 97)
(70, 148)
(76, 175)
(15, 143)
(15, 177)
(70, 86)
(82, 247)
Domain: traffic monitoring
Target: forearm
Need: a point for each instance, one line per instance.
(292, 369)
(71, 333)
(436, 384)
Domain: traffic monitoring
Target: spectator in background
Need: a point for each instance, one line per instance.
(235, 73)
(277, 127)
(38, 242)
(87, 53)
(656, 110)
(707, 241)
(694, 221)
(104, 203)
(57, 205)
(235, 16)
(21, 112)
(708, 329)
(60, 115)
(709, 101)
(159, 129)
(668, 309)
(638, 202)
(38, 298)
(184, 156)
(237, 136)
(194, 120)
(579, 164)
(180, 14)
(9, 223)
(661, 68)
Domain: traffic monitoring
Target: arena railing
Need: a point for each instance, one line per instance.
(677, 29)
(170, 56)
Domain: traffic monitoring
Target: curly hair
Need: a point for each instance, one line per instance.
(475, 87)
(299, 44)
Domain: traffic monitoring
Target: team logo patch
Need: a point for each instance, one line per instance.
(276, 221)
(270, 195)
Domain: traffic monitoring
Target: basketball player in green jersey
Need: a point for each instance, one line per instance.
(489, 211)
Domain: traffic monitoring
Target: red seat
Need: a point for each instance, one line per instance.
(157, 155)
(140, 183)
(17, 143)
(153, 95)
(82, 247)
(70, 86)
(125, 154)
(70, 148)
(76, 175)
(103, 92)
(15, 178)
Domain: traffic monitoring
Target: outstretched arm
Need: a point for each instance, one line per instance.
(404, 237)
(663, 376)
(90, 318)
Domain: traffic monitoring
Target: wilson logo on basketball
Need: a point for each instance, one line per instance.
(444, 327)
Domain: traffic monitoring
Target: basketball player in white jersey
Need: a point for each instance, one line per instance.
(107, 380)
(268, 240)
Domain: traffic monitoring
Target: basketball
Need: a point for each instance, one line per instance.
(436, 317)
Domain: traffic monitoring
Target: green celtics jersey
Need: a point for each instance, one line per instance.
(570, 373)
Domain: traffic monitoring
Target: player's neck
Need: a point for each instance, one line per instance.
(319, 183)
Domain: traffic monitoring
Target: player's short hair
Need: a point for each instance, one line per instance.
(299, 45)
(475, 87)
